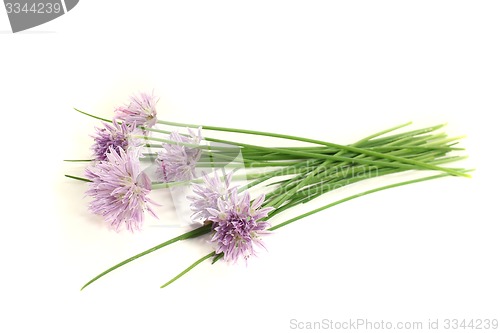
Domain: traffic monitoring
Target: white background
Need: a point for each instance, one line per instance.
(330, 70)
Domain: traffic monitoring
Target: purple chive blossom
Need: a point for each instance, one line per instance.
(113, 137)
(207, 195)
(237, 226)
(141, 111)
(119, 189)
(177, 162)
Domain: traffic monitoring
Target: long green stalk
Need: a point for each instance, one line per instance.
(196, 263)
(191, 234)
(314, 211)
